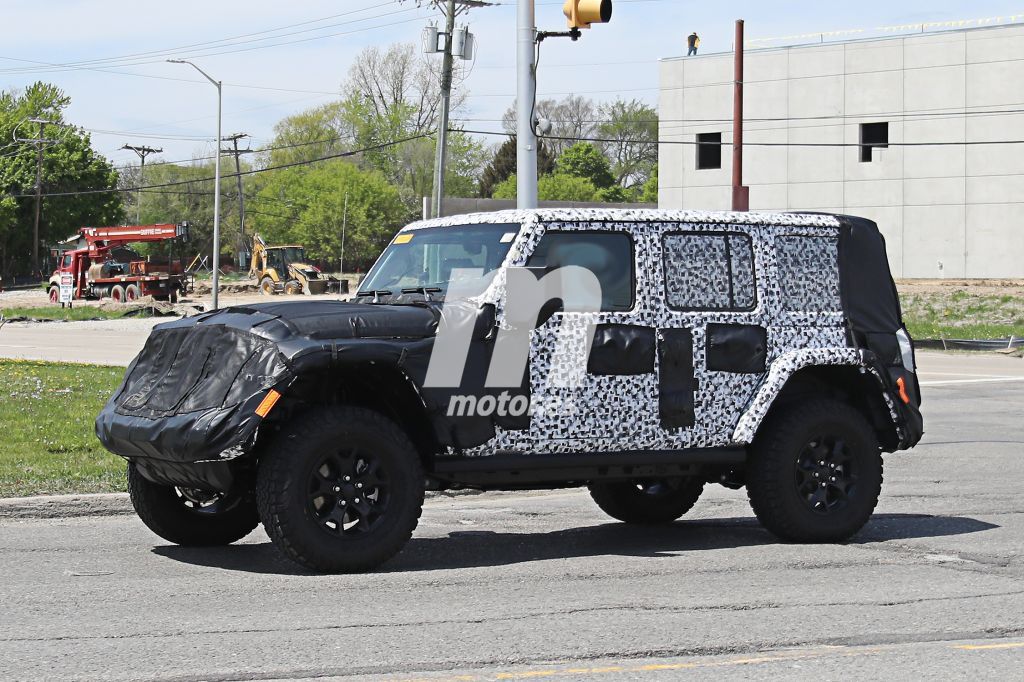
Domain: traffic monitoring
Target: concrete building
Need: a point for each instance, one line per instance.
(947, 211)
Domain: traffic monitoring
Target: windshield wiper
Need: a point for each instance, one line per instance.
(376, 293)
(426, 291)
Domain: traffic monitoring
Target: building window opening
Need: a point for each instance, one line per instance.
(872, 136)
(709, 151)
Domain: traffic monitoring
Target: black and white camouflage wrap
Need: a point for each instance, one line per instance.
(790, 287)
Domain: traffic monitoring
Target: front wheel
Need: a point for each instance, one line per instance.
(648, 501)
(191, 517)
(340, 490)
(815, 472)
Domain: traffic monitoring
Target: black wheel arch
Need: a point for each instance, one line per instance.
(850, 384)
(385, 389)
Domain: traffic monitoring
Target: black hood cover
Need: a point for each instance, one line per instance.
(192, 392)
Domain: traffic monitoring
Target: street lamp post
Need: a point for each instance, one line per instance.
(216, 182)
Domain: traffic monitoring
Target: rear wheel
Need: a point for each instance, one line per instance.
(340, 490)
(815, 472)
(117, 293)
(648, 501)
(132, 293)
(267, 286)
(191, 517)
(54, 295)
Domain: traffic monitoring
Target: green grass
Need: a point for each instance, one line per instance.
(55, 312)
(962, 314)
(46, 416)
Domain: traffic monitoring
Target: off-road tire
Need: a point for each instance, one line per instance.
(117, 293)
(290, 469)
(166, 513)
(54, 294)
(293, 288)
(267, 287)
(132, 293)
(647, 502)
(779, 461)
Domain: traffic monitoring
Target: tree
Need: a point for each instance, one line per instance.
(306, 205)
(504, 164)
(311, 134)
(633, 128)
(390, 94)
(189, 198)
(555, 187)
(650, 193)
(70, 165)
(572, 119)
(583, 160)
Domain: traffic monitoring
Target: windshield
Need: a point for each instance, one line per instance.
(279, 258)
(426, 257)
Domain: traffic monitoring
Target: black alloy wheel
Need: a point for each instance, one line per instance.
(349, 493)
(826, 475)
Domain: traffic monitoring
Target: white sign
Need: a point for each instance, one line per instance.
(67, 286)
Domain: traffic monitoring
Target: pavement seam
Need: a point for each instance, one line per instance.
(521, 617)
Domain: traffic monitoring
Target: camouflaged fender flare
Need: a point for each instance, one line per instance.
(783, 369)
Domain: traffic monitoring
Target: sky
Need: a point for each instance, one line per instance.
(268, 74)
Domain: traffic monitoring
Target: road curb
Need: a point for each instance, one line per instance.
(65, 506)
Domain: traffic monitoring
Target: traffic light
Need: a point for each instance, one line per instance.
(583, 13)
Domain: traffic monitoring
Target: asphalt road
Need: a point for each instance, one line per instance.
(528, 585)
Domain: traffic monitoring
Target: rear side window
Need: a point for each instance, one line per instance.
(808, 273)
(609, 255)
(709, 272)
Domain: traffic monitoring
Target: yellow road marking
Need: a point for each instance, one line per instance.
(782, 656)
(1003, 645)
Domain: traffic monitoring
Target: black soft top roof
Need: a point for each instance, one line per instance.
(868, 291)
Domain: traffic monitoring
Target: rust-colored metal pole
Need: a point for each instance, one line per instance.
(740, 194)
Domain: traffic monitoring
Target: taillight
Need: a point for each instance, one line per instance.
(906, 349)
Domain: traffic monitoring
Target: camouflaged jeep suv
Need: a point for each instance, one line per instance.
(764, 350)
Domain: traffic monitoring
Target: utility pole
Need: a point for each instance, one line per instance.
(526, 94)
(241, 194)
(447, 65)
(39, 141)
(143, 151)
(344, 226)
(740, 193)
(456, 44)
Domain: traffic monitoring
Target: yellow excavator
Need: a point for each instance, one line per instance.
(284, 270)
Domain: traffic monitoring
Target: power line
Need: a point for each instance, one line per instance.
(178, 48)
(210, 52)
(255, 171)
(972, 143)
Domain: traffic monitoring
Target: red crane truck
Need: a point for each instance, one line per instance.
(101, 264)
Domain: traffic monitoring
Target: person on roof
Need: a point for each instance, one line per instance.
(692, 42)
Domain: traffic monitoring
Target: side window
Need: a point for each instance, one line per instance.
(709, 272)
(609, 255)
(808, 273)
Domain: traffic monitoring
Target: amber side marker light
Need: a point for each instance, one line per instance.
(900, 384)
(268, 403)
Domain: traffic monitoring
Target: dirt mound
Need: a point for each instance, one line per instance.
(150, 306)
(245, 286)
